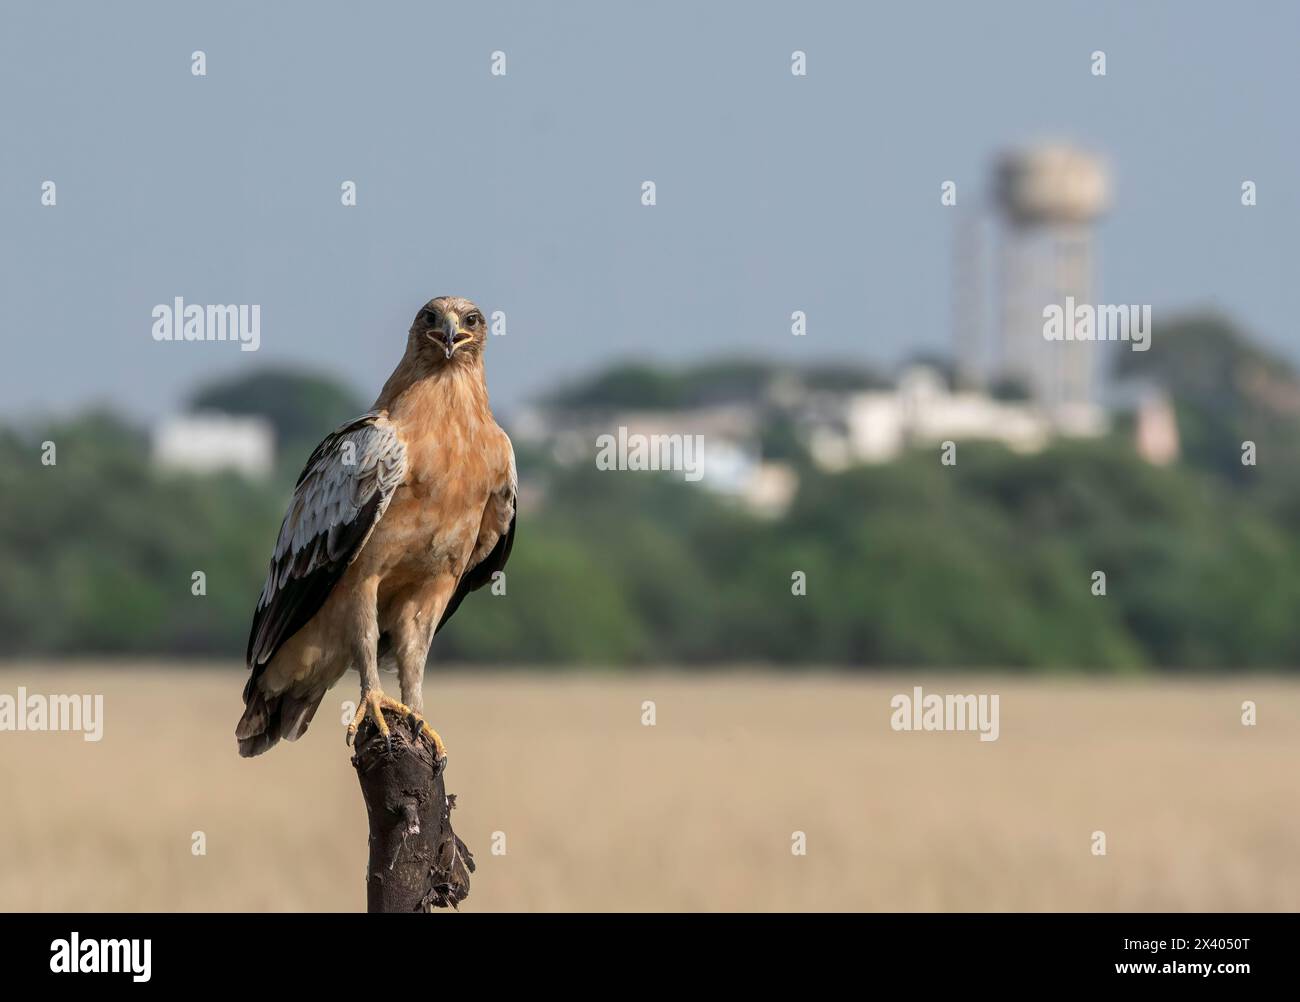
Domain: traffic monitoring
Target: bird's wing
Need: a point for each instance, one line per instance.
(341, 494)
(496, 537)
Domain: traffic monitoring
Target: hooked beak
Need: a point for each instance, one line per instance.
(446, 338)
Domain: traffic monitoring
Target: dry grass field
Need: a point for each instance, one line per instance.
(695, 813)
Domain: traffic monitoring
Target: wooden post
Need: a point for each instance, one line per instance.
(416, 861)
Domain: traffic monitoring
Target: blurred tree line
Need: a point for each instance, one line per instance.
(987, 563)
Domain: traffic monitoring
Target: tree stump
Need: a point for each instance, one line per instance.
(416, 861)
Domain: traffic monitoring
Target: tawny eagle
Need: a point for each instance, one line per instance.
(397, 516)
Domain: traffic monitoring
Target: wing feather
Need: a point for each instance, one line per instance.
(340, 495)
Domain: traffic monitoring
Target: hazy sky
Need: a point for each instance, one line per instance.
(775, 193)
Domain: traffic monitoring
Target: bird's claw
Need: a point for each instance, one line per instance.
(374, 702)
(372, 705)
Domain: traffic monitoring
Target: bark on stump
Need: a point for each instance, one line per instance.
(416, 861)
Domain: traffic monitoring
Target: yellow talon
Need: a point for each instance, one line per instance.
(374, 702)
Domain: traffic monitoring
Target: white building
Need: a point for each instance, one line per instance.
(878, 425)
(731, 461)
(1155, 429)
(211, 442)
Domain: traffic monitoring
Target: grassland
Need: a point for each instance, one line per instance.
(697, 812)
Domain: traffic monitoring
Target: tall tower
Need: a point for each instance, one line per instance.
(1048, 197)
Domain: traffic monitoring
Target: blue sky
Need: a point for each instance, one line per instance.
(775, 193)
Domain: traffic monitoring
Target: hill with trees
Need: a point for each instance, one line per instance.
(989, 563)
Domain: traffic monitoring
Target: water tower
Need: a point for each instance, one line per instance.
(1048, 197)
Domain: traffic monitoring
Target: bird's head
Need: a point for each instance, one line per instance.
(448, 327)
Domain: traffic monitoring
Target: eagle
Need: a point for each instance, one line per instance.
(397, 516)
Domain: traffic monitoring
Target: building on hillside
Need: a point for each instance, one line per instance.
(211, 442)
(921, 410)
(731, 462)
(1155, 429)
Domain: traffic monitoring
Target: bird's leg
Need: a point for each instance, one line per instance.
(373, 699)
(412, 647)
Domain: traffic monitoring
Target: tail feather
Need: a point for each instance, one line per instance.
(296, 711)
(267, 718)
(258, 743)
(259, 727)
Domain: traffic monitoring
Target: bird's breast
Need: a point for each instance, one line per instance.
(433, 520)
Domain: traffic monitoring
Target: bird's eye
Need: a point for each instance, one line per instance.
(473, 320)
(429, 317)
